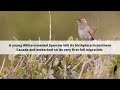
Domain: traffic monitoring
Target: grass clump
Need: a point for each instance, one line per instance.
(61, 67)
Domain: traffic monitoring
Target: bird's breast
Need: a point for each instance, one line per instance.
(84, 35)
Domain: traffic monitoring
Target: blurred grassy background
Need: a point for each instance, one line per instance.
(26, 25)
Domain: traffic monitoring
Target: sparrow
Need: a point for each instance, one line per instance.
(84, 30)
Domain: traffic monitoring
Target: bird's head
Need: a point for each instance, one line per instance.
(81, 20)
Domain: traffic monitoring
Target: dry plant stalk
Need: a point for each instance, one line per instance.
(80, 74)
(3, 64)
(19, 62)
(65, 68)
(50, 29)
(95, 28)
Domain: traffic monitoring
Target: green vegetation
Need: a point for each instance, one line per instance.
(61, 67)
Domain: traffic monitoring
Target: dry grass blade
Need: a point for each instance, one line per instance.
(82, 70)
(88, 61)
(19, 62)
(65, 68)
(98, 22)
(3, 64)
(48, 59)
(50, 28)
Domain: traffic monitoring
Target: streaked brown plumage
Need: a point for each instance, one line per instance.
(84, 30)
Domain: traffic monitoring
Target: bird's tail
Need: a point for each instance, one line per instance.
(93, 38)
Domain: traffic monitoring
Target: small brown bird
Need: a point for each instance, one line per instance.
(84, 30)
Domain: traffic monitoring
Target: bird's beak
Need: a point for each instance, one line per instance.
(77, 21)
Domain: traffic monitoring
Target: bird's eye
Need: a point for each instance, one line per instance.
(78, 19)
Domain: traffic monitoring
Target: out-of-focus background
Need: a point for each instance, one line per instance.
(25, 25)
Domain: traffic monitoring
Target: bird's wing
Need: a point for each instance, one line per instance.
(94, 31)
(91, 32)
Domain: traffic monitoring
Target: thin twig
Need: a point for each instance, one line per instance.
(3, 64)
(49, 59)
(82, 70)
(18, 64)
(65, 70)
(50, 28)
(15, 38)
(38, 55)
(102, 68)
(39, 40)
(98, 22)
(31, 43)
